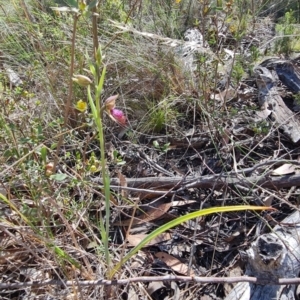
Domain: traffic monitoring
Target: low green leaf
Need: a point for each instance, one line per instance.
(156, 144)
(58, 177)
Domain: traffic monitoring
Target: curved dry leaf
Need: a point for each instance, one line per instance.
(284, 170)
(175, 264)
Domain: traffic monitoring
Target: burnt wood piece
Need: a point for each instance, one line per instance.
(269, 98)
(272, 256)
(287, 71)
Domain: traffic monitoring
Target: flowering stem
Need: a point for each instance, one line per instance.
(104, 229)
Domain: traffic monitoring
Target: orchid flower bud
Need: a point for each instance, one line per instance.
(115, 114)
(110, 103)
(82, 80)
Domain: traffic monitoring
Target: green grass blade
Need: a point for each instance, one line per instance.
(181, 220)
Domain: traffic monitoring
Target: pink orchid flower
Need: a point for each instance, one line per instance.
(118, 115)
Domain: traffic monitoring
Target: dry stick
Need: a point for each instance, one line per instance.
(208, 181)
(69, 100)
(195, 279)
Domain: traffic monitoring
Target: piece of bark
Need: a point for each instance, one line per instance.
(272, 256)
(270, 100)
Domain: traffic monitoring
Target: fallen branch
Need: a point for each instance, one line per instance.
(216, 181)
(169, 185)
(202, 280)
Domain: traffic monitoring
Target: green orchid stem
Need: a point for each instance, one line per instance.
(104, 229)
(181, 220)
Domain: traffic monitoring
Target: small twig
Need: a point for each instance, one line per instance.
(195, 279)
